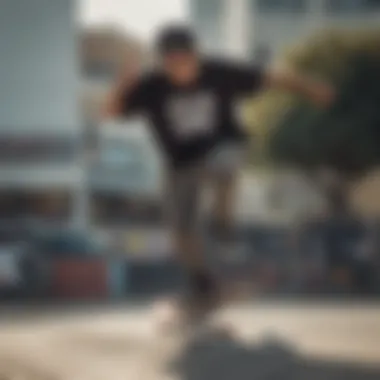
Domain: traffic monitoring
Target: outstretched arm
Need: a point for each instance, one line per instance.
(244, 79)
(319, 93)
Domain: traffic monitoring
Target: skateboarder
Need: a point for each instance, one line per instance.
(190, 101)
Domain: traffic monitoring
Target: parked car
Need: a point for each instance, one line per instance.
(126, 176)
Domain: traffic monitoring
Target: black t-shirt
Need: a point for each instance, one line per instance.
(189, 121)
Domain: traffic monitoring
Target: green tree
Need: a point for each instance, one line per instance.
(344, 140)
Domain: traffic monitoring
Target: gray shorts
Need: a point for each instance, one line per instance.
(186, 186)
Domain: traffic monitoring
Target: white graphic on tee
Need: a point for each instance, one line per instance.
(192, 115)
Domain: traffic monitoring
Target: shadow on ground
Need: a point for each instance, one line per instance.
(221, 358)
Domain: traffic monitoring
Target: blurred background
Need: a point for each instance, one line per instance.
(78, 194)
(81, 215)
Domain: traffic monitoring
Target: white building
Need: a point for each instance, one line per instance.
(261, 29)
(44, 173)
(40, 122)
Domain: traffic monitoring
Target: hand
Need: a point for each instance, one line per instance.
(321, 95)
(125, 81)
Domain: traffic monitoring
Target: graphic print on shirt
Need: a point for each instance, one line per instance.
(192, 115)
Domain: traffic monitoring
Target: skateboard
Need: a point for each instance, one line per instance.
(171, 319)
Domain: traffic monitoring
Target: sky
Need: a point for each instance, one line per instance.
(140, 17)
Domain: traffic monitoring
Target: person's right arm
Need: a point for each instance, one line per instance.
(128, 96)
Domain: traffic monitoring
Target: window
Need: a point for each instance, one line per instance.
(38, 149)
(344, 6)
(282, 5)
(206, 9)
(207, 17)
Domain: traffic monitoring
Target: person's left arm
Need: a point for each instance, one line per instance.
(320, 93)
(246, 80)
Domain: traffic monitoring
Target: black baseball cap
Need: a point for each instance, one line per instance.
(176, 38)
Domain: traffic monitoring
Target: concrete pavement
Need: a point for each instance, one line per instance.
(273, 341)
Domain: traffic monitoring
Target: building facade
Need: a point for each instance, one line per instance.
(50, 99)
(40, 123)
(261, 29)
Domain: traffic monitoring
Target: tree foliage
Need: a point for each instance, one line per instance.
(345, 137)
